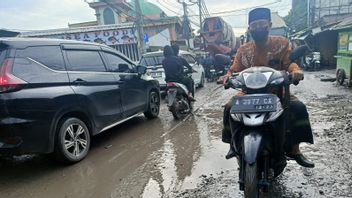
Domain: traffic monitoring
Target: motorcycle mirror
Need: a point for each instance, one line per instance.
(298, 52)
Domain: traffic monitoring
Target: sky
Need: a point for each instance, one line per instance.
(26, 15)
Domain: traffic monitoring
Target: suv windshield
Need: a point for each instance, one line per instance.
(152, 61)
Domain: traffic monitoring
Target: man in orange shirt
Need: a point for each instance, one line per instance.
(271, 51)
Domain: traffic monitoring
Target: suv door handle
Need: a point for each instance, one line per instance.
(79, 81)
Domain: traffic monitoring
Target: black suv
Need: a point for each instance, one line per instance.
(56, 94)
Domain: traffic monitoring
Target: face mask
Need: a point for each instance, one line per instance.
(259, 35)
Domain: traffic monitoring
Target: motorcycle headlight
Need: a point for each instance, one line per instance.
(256, 80)
(272, 116)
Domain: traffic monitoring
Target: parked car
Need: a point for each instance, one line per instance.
(56, 94)
(153, 61)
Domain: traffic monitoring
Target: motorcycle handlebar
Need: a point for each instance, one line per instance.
(291, 81)
(227, 85)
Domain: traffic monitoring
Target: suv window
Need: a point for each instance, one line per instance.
(117, 64)
(152, 60)
(50, 56)
(84, 60)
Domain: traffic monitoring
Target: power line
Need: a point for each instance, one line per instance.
(243, 9)
(204, 7)
(194, 23)
(136, 12)
(173, 4)
(162, 5)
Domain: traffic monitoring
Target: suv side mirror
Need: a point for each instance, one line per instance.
(141, 69)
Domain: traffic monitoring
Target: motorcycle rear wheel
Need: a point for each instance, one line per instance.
(176, 111)
(251, 189)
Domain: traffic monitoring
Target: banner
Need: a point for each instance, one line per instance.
(108, 37)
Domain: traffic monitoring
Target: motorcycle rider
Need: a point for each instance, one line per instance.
(221, 61)
(271, 51)
(183, 61)
(174, 70)
(208, 63)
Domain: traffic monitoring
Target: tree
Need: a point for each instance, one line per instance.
(296, 19)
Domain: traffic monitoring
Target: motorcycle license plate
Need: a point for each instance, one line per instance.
(171, 96)
(254, 103)
(156, 74)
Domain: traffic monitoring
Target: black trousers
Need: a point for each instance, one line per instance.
(300, 128)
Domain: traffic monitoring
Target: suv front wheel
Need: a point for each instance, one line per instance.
(73, 140)
(153, 105)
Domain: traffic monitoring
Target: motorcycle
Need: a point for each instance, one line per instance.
(220, 67)
(178, 101)
(212, 74)
(312, 62)
(259, 121)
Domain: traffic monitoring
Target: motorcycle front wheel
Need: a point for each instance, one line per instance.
(251, 189)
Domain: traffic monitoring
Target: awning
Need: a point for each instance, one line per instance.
(8, 33)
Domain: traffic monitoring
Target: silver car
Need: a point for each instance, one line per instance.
(153, 61)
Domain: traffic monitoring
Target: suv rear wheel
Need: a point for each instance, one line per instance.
(73, 140)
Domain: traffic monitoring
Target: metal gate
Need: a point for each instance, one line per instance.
(129, 50)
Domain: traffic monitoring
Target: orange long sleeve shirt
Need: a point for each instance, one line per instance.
(274, 54)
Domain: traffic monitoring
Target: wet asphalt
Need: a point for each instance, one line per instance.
(168, 158)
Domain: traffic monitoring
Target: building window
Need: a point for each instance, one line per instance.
(109, 17)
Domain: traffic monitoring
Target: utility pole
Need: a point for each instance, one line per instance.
(139, 24)
(200, 21)
(308, 13)
(186, 25)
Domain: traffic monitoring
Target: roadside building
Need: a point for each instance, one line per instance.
(279, 26)
(115, 27)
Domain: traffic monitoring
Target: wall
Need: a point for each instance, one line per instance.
(330, 7)
(326, 43)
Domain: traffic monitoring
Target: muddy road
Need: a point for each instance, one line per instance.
(168, 158)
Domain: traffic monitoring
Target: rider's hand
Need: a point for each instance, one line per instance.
(225, 78)
(297, 76)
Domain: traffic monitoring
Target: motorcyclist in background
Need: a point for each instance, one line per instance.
(271, 51)
(176, 50)
(174, 70)
(222, 63)
(208, 63)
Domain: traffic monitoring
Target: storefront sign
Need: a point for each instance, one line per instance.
(108, 37)
(343, 42)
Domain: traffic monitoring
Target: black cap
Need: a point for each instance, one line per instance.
(258, 14)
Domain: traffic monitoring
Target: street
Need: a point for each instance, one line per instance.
(168, 158)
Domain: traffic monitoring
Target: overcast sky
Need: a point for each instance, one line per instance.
(52, 14)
